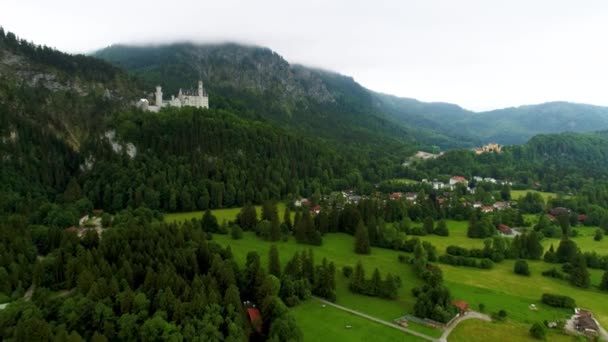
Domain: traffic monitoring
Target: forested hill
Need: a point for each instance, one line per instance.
(258, 83)
(564, 162)
(513, 125)
(64, 95)
(69, 132)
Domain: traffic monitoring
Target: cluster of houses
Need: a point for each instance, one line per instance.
(451, 184)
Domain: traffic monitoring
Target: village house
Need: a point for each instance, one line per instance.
(395, 196)
(504, 229)
(487, 209)
(315, 210)
(411, 196)
(500, 205)
(585, 323)
(458, 179)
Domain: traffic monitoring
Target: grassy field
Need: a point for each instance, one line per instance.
(403, 181)
(498, 288)
(228, 214)
(329, 324)
(517, 194)
(478, 331)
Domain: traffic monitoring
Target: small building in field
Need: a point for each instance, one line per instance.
(462, 306)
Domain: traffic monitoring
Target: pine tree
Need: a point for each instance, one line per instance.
(473, 228)
(420, 259)
(428, 226)
(442, 229)
(362, 239)
(287, 218)
(579, 275)
(274, 264)
(357, 280)
(275, 229)
(390, 287)
(604, 282)
(375, 285)
(209, 222)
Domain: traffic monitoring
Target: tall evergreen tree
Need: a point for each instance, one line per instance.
(287, 218)
(579, 275)
(604, 283)
(362, 245)
(274, 264)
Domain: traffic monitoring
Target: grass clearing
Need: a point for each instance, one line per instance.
(327, 323)
(227, 214)
(474, 330)
(402, 181)
(517, 194)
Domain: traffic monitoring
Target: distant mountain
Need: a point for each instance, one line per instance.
(513, 125)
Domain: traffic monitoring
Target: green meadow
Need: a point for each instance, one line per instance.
(498, 288)
(227, 214)
(319, 323)
(517, 194)
(479, 331)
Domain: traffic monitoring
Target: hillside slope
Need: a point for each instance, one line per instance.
(263, 85)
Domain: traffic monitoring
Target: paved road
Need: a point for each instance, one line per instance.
(378, 320)
(469, 315)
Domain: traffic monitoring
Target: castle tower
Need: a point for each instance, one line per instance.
(200, 88)
(159, 97)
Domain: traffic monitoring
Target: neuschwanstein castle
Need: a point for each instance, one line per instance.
(198, 99)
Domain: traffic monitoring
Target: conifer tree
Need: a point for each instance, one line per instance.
(604, 282)
(579, 275)
(275, 229)
(362, 239)
(375, 285)
(428, 226)
(287, 218)
(274, 264)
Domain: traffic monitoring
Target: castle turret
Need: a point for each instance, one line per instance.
(159, 97)
(200, 88)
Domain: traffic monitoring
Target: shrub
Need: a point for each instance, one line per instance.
(554, 273)
(404, 259)
(236, 232)
(486, 264)
(521, 268)
(558, 301)
(482, 307)
(538, 331)
(347, 271)
(599, 235)
(499, 316)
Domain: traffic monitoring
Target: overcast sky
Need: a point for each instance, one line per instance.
(480, 54)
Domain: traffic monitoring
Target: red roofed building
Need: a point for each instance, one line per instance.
(505, 229)
(458, 179)
(316, 209)
(462, 306)
(582, 218)
(256, 318)
(487, 209)
(395, 196)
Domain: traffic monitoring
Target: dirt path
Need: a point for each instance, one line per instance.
(377, 320)
(469, 315)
